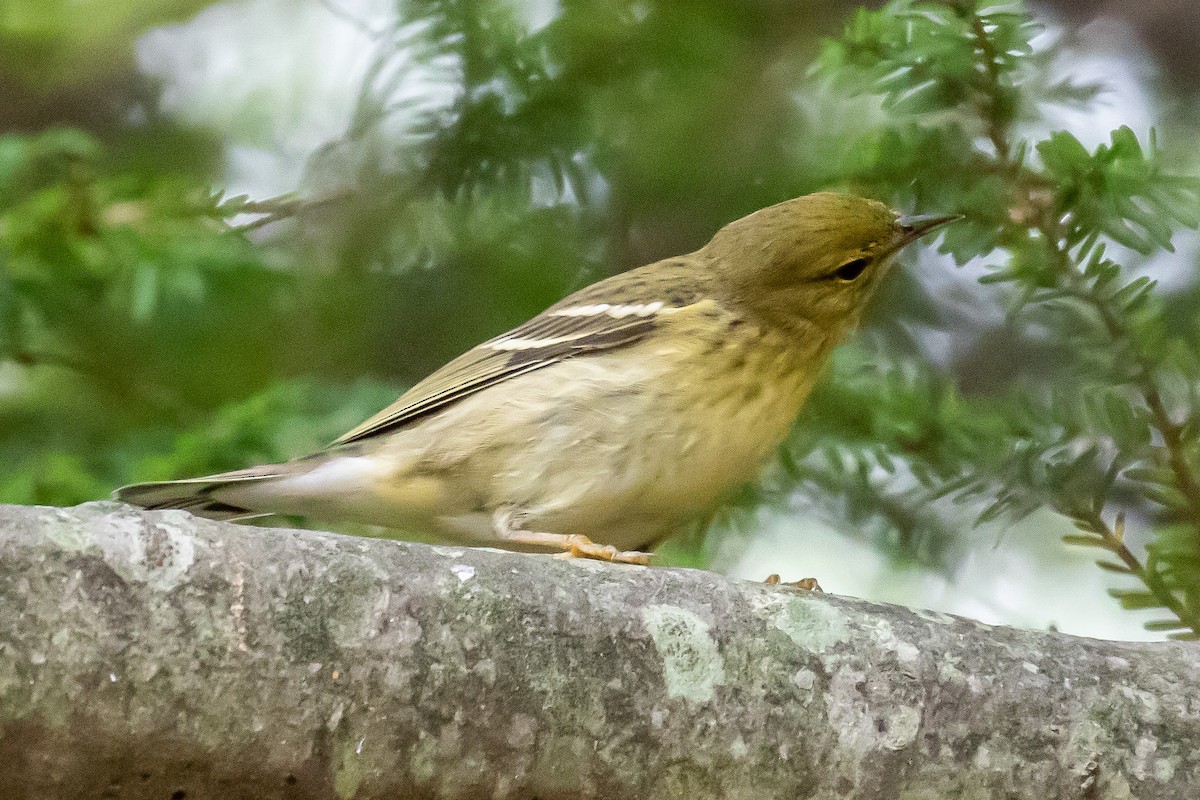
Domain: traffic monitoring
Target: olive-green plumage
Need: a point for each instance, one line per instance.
(616, 414)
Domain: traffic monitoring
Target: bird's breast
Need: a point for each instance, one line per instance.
(691, 419)
(731, 402)
(622, 446)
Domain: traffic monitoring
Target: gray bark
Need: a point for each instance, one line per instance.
(153, 654)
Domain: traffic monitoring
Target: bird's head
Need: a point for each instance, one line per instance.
(814, 260)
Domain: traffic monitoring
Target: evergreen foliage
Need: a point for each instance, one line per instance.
(151, 329)
(1104, 426)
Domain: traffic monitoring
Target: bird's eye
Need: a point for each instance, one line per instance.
(852, 269)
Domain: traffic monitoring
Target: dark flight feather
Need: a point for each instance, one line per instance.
(566, 337)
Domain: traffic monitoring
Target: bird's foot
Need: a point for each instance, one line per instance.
(576, 546)
(807, 584)
(573, 545)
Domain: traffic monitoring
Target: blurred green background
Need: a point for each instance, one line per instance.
(229, 231)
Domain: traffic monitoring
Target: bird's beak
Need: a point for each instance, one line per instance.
(914, 226)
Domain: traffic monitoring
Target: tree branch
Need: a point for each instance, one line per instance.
(153, 654)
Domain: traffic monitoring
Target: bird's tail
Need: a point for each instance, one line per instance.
(198, 495)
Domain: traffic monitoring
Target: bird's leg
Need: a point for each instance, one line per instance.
(573, 545)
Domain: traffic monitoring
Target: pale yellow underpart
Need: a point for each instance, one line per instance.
(619, 447)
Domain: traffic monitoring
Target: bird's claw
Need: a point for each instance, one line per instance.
(807, 584)
(583, 547)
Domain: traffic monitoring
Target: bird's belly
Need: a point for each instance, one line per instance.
(626, 465)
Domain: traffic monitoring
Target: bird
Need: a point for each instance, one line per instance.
(609, 420)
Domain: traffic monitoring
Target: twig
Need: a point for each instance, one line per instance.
(1074, 282)
(996, 131)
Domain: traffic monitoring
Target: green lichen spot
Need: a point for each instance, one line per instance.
(348, 770)
(162, 554)
(903, 725)
(422, 763)
(813, 624)
(692, 665)
(68, 534)
(306, 636)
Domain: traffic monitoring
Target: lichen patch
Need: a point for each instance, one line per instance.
(900, 728)
(805, 679)
(933, 616)
(813, 624)
(68, 534)
(692, 664)
(907, 653)
(348, 770)
(157, 553)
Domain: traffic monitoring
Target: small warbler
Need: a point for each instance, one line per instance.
(601, 424)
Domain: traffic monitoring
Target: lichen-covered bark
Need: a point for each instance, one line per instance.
(153, 654)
